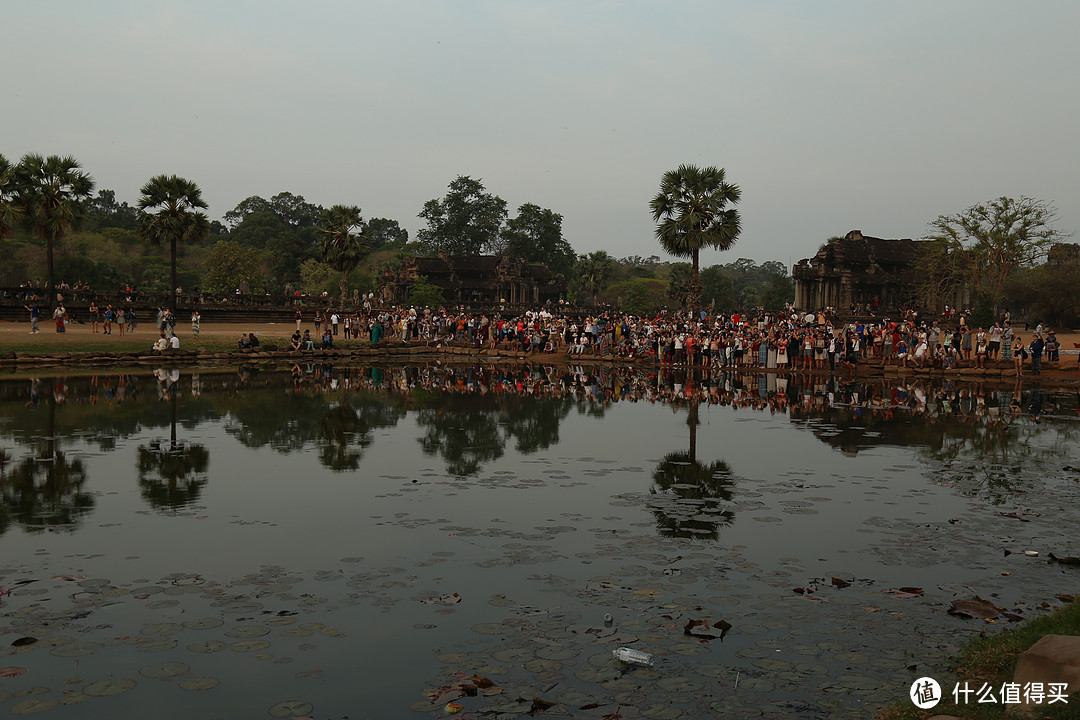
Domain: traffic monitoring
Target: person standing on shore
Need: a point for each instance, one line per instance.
(95, 316)
(196, 323)
(58, 316)
(34, 314)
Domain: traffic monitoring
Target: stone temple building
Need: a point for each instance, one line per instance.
(475, 280)
(857, 269)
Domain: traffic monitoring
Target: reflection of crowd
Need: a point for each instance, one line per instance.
(797, 394)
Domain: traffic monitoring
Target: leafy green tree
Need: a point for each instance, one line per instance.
(594, 272)
(466, 222)
(103, 211)
(779, 292)
(716, 288)
(49, 193)
(678, 287)
(295, 211)
(638, 295)
(169, 214)
(246, 207)
(343, 242)
(315, 277)
(535, 236)
(229, 266)
(386, 234)
(692, 211)
(984, 245)
(1049, 292)
(424, 294)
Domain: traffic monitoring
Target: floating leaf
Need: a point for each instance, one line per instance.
(838, 582)
(210, 646)
(905, 592)
(109, 687)
(707, 629)
(1064, 560)
(290, 708)
(199, 683)
(165, 669)
(23, 641)
(34, 705)
(453, 708)
(975, 608)
(11, 671)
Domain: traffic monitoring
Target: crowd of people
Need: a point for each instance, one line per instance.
(786, 340)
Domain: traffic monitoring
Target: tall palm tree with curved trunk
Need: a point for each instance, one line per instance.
(9, 210)
(169, 212)
(48, 195)
(344, 242)
(691, 211)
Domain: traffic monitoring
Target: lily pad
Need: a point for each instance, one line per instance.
(199, 683)
(165, 669)
(103, 688)
(290, 708)
(34, 705)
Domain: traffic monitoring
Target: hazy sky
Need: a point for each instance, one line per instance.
(830, 116)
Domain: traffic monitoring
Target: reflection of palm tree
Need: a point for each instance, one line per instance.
(44, 489)
(171, 474)
(695, 488)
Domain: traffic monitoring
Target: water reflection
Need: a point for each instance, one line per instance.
(470, 416)
(44, 489)
(171, 474)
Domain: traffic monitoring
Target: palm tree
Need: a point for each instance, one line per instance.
(692, 213)
(9, 210)
(594, 270)
(168, 213)
(344, 243)
(49, 194)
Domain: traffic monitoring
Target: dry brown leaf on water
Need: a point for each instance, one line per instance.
(905, 592)
(707, 628)
(840, 583)
(976, 608)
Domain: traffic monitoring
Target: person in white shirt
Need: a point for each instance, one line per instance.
(174, 343)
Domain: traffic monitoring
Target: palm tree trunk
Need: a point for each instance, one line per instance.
(693, 295)
(172, 274)
(344, 284)
(50, 293)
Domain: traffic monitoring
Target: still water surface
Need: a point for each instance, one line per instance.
(361, 541)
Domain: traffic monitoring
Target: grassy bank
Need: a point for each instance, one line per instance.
(990, 658)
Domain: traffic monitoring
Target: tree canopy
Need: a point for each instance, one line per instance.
(465, 222)
(984, 245)
(535, 236)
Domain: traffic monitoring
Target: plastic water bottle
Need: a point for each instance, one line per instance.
(633, 657)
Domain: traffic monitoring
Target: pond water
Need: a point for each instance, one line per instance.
(381, 542)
